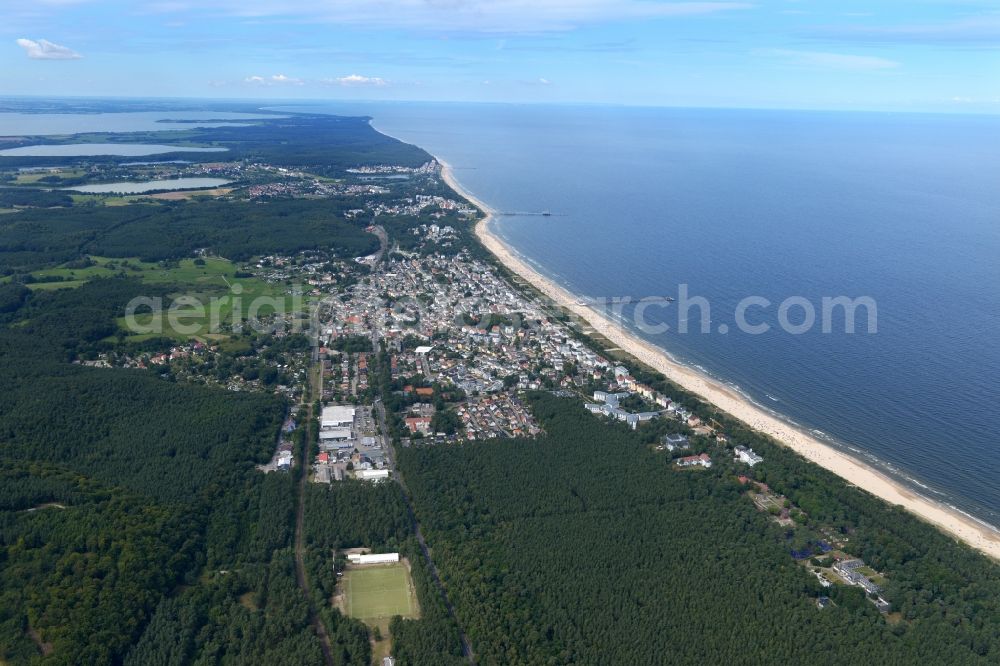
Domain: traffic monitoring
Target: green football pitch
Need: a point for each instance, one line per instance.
(379, 592)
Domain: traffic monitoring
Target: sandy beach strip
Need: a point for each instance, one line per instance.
(855, 472)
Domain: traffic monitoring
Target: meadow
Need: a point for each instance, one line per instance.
(205, 281)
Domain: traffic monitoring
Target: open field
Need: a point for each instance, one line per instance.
(378, 592)
(34, 177)
(190, 194)
(111, 199)
(29, 178)
(374, 594)
(211, 271)
(209, 281)
(212, 285)
(84, 198)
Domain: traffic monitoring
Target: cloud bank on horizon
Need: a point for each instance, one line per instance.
(929, 55)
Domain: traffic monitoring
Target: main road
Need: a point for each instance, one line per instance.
(390, 457)
(302, 467)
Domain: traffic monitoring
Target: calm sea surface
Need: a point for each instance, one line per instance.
(904, 209)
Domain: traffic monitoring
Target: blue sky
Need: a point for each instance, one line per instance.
(895, 55)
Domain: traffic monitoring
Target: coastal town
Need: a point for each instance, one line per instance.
(462, 345)
(400, 434)
(425, 343)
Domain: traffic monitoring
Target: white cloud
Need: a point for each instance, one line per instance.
(544, 81)
(825, 60)
(273, 80)
(43, 49)
(478, 16)
(356, 80)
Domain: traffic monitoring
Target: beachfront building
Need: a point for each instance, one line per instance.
(692, 461)
(675, 442)
(848, 570)
(609, 406)
(745, 455)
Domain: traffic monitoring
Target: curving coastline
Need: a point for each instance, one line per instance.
(978, 535)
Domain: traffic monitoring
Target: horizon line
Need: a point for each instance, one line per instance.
(620, 105)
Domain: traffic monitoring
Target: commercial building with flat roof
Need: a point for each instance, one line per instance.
(372, 474)
(335, 434)
(337, 416)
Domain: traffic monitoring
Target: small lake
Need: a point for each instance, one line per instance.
(150, 186)
(87, 149)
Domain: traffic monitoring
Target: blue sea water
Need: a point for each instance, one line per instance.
(902, 208)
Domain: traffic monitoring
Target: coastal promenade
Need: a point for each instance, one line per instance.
(978, 535)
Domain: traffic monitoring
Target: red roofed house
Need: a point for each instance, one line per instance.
(704, 460)
(419, 424)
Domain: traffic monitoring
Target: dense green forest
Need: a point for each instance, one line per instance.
(11, 196)
(134, 528)
(120, 489)
(585, 546)
(236, 230)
